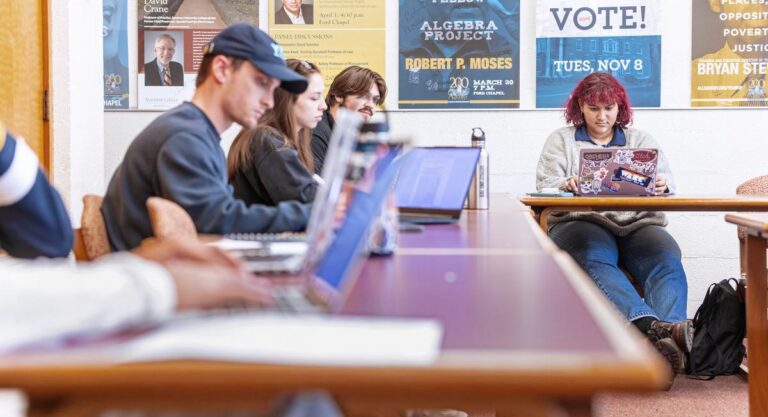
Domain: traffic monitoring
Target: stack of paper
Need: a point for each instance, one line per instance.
(290, 339)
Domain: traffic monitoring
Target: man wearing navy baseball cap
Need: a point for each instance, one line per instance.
(179, 157)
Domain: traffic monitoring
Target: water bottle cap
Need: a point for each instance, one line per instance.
(476, 135)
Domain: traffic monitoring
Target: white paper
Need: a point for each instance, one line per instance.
(291, 339)
(232, 244)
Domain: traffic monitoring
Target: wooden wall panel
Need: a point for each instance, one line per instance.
(23, 73)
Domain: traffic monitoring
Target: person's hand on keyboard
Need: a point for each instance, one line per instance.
(205, 276)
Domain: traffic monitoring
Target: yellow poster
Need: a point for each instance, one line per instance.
(333, 34)
(730, 53)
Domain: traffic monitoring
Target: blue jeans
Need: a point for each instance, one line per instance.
(650, 254)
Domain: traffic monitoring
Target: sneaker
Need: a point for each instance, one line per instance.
(673, 354)
(681, 332)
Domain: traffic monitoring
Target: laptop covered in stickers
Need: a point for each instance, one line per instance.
(608, 172)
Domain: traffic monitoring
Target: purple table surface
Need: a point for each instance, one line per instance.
(484, 302)
(498, 228)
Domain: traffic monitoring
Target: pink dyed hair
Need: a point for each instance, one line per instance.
(598, 88)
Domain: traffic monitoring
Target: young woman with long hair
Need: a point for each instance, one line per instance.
(273, 162)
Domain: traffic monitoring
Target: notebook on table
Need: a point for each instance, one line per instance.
(288, 252)
(617, 172)
(433, 184)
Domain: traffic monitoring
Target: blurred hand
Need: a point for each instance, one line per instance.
(571, 184)
(661, 185)
(205, 276)
(162, 251)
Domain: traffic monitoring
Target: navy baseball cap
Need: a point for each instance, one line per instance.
(243, 40)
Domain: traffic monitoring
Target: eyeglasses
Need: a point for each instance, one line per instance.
(164, 49)
(368, 97)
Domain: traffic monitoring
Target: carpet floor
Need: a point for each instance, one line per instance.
(724, 396)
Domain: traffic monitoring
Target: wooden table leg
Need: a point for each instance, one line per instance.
(757, 325)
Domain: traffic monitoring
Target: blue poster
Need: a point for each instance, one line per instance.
(576, 38)
(115, 35)
(459, 54)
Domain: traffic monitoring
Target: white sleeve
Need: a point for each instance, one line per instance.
(19, 178)
(46, 302)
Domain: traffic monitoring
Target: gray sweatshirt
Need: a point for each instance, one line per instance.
(559, 161)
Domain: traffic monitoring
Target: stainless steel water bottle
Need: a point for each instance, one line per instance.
(478, 193)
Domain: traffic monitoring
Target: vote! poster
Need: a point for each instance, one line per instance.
(575, 38)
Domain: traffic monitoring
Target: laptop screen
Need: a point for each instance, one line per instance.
(436, 178)
(344, 251)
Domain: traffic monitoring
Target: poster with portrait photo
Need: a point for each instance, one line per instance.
(171, 38)
(575, 38)
(342, 33)
(294, 12)
(459, 54)
(115, 43)
(729, 54)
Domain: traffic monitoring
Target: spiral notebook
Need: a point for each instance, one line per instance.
(290, 252)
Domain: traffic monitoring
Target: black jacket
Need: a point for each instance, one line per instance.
(152, 74)
(321, 136)
(276, 174)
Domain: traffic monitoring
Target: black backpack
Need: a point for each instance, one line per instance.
(720, 325)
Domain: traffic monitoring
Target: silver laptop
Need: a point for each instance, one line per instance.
(433, 184)
(324, 286)
(287, 253)
(618, 171)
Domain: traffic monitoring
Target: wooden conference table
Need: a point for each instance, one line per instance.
(544, 206)
(526, 333)
(754, 257)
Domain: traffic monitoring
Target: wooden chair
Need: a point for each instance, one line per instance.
(91, 239)
(169, 220)
(754, 186)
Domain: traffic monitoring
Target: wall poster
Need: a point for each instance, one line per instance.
(172, 34)
(456, 54)
(577, 37)
(333, 34)
(730, 53)
(115, 33)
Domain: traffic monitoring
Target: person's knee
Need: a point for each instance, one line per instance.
(585, 241)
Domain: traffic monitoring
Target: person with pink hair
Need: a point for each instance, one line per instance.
(599, 113)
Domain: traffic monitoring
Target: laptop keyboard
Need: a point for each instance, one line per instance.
(293, 299)
(270, 237)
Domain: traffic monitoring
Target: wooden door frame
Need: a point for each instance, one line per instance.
(47, 161)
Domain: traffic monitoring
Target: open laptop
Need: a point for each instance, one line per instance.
(433, 184)
(618, 171)
(322, 287)
(265, 252)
